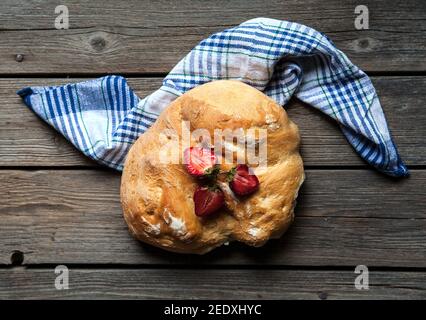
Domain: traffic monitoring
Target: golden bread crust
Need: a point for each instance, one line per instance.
(157, 198)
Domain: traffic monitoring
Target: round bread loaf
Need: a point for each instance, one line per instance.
(157, 197)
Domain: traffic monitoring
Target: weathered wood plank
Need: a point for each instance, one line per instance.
(145, 36)
(27, 141)
(20, 283)
(342, 219)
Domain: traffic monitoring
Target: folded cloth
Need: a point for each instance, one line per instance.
(103, 117)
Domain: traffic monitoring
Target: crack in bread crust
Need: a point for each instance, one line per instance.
(157, 198)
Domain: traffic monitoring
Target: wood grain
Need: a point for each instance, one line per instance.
(145, 36)
(26, 141)
(20, 283)
(343, 218)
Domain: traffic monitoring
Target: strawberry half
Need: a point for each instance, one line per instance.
(199, 161)
(207, 200)
(241, 181)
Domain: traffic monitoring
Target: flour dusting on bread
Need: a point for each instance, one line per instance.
(157, 198)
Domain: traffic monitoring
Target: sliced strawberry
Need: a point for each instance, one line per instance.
(242, 182)
(207, 200)
(199, 161)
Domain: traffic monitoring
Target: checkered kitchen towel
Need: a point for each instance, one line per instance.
(103, 117)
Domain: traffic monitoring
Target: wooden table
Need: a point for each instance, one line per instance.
(59, 208)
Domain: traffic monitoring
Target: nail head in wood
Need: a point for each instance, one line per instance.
(17, 258)
(323, 295)
(19, 57)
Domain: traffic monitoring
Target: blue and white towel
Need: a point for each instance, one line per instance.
(103, 117)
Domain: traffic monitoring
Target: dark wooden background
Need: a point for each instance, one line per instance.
(57, 207)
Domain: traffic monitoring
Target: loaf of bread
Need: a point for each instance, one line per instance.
(157, 196)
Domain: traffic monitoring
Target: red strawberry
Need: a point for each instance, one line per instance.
(207, 200)
(241, 181)
(199, 161)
